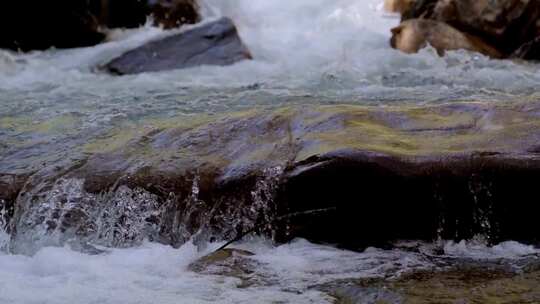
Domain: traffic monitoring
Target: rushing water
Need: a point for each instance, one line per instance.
(154, 273)
(306, 52)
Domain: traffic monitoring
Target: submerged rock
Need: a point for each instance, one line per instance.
(229, 262)
(348, 175)
(419, 9)
(215, 43)
(461, 284)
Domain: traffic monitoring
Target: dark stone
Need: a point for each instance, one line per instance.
(121, 13)
(38, 25)
(173, 13)
(215, 43)
(420, 9)
(381, 198)
(134, 13)
(10, 187)
(529, 51)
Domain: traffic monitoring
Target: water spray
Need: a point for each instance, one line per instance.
(277, 219)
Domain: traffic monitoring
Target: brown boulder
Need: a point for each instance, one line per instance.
(506, 25)
(398, 6)
(412, 35)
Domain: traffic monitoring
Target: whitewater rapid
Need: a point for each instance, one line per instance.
(305, 52)
(153, 273)
(330, 50)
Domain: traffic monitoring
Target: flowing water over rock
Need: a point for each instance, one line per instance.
(80, 151)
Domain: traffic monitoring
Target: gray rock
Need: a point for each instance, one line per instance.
(215, 43)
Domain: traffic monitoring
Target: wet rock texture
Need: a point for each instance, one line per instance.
(215, 43)
(509, 26)
(38, 25)
(348, 175)
(462, 284)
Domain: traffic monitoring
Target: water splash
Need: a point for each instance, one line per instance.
(66, 213)
(481, 191)
(60, 212)
(264, 210)
(183, 217)
(125, 218)
(4, 236)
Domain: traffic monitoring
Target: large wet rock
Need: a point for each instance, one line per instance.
(348, 175)
(229, 262)
(214, 43)
(505, 25)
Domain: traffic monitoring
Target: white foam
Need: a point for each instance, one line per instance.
(330, 48)
(478, 249)
(300, 263)
(154, 273)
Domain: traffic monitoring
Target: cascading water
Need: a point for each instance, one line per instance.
(306, 52)
(4, 236)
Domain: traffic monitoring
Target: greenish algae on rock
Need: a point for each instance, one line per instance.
(470, 285)
(459, 168)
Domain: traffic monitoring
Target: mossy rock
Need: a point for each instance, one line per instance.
(389, 172)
